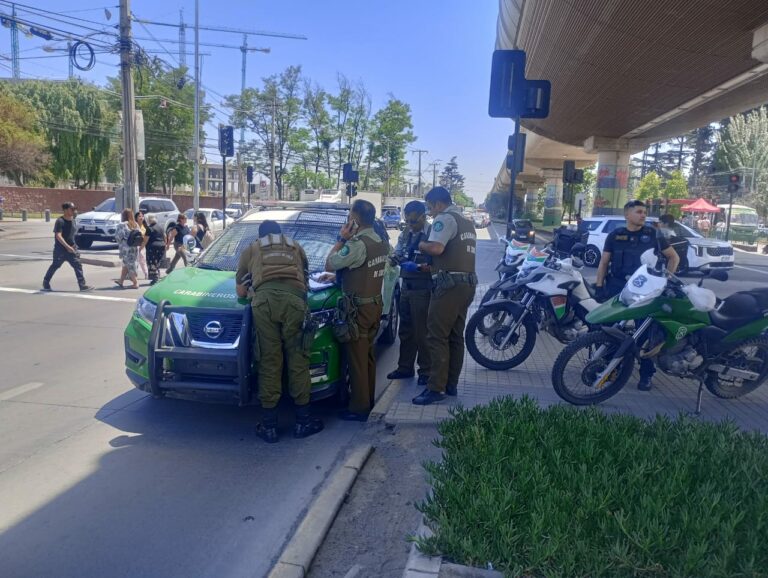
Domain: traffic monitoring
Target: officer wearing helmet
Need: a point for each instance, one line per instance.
(273, 271)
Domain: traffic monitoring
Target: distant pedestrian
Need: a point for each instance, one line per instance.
(65, 249)
(139, 216)
(129, 253)
(176, 236)
(155, 245)
(704, 226)
(201, 231)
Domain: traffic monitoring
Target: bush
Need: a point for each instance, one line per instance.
(570, 492)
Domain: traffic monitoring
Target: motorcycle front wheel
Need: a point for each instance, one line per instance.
(579, 364)
(750, 356)
(493, 343)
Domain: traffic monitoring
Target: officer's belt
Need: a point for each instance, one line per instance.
(417, 284)
(460, 277)
(367, 300)
(282, 286)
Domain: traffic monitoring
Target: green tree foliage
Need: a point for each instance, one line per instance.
(391, 133)
(167, 101)
(22, 147)
(451, 178)
(649, 187)
(743, 144)
(79, 125)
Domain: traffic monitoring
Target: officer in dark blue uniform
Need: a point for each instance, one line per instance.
(621, 258)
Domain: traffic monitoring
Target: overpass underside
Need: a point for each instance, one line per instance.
(627, 73)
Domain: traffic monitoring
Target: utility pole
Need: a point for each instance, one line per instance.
(15, 43)
(69, 61)
(130, 166)
(420, 152)
(182, 40)
(196, 145)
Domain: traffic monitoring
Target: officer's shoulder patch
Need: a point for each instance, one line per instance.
(438, 226)
(344, 251)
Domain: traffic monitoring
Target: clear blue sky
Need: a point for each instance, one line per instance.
(433, 54)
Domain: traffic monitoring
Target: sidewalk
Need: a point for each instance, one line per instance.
(15, 228)
(669, 396)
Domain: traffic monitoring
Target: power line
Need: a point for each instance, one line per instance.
(229, 30)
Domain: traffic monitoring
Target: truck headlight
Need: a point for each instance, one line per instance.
(323, 317)
(145, 310)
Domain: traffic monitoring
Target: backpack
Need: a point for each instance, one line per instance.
(135, 238)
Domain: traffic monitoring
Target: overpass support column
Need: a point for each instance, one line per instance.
(531, 197)
(612, 173)
(553, 196)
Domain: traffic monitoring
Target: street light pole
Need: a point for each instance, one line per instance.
(196, 145)
(170, 176)
(130, 165)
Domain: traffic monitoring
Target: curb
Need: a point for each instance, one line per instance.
(420, 565)
(385, 401)
(458, 571)
(298, 554)
(99, 262)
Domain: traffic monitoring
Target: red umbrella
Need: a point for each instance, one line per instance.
(700, 206)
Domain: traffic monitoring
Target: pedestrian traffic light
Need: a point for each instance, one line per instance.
(249, 173)
(346, 171)
(227, 141)
(733, 183)
(351, 190)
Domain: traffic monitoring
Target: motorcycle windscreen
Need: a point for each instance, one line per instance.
(643, 286)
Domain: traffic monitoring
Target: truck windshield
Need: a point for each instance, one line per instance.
(224, 253)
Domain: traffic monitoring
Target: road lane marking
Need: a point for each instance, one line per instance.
(19, 390)
(29, 257)
(64, 294)
(751, 269)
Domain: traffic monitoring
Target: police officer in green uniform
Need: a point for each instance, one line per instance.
(273, 271)
(452, 247)
(415, 295)
(360, 257)
(621, 258)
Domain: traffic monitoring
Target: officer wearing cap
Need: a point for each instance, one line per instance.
(451, 245)
(621, 258)
(273, 271)
(361, 256)
(415, 295)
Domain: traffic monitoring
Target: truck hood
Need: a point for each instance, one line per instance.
(196, 287)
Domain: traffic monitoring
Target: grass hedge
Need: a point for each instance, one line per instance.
(570, 492)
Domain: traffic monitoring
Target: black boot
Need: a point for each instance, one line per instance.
(267, 429)
(306, 425)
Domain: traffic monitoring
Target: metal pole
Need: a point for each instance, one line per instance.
(512, 177)
(15, 43)
(196, 146)
(182, 40)
(272, 152)
(69, 61)
(244, 50)
(224, 190)
(730, 210)
(130, 167)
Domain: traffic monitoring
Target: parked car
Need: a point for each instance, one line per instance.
(101, 223)
(237, 210)
(391, 217)
(481, 219)
(215, 218)
(701, 253)
(522, 230)
(190, 336)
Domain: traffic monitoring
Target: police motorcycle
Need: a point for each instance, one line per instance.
(681, 327)
(509, 265)
(550, 295)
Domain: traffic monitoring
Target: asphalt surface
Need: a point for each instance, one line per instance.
(99, 479)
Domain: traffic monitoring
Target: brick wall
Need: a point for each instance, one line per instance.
(37, 200)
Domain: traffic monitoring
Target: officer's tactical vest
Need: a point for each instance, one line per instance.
(276, 257)
(627, 249)
(459, 253)
(366, 280)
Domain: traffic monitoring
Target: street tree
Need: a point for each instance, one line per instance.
(275, 109)
(649, 187)
(451, 178)
(391, 133)
(79, 126)
(23, 153)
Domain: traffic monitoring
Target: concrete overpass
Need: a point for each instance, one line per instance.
(627, 73)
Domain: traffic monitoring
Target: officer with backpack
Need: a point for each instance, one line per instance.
(273, 272)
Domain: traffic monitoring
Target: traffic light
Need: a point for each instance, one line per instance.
(346, 172)
(249, 173)
(516, 154)
(351, 190)
(569, 168)
(733, 183)
(227, 141)
(578, 176)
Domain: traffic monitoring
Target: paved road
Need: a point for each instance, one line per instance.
(98, 479)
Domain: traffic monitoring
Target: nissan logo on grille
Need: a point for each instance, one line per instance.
(213, 329)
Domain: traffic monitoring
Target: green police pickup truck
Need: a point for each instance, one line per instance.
(190, 336)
